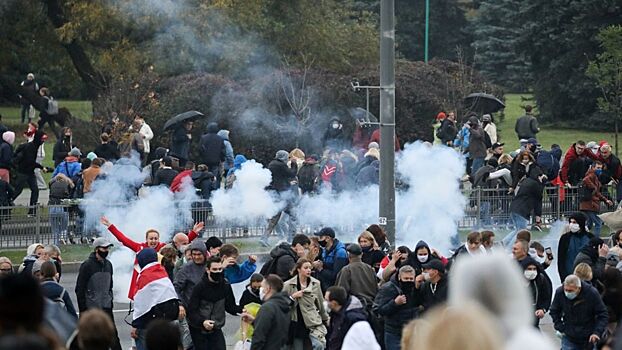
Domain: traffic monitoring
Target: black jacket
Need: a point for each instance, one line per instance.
(54, 291)
(528, 198)
(447, 131)
(272, 323)
(431, 295)
(94, 284)
(249, 296)
(564, 244)
(340, 322)
(285, 258)
(212, 146)
(414, 261)
(25, 158)
(165, 176)
(540, 289)
(180, 143)
(205, 182)
(61, 150)
(579, 318)
(209, 301)
(6, 194)
(282, 175)
(6, 155)
(109, 151)
(395, 316)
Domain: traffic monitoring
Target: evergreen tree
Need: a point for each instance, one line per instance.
(496, 32)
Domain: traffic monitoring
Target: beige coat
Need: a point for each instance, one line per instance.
(311, 306)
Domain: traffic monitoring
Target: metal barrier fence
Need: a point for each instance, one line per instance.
(21, 226)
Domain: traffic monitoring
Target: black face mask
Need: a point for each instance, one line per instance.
(407, 287)
(366, 249)
(102, 254)
(216, 276)
(255, 291)
(322, 243)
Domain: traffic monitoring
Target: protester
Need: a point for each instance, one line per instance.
(237, 165)
(527, 126)
(63, 146)
(578, 313)
(520, 250)
(25, 164)
(236, 273)
(145, 132)
(527, 200)
(152, 238)
(95, 331)
(397, 303)
(132, 142)
(229, 154)
(6, 155)
(6, 266)
(31, 85)
(162, 335)
(211, 297)
(594, 253)
(284, 256)
(432, 284)
(49, 111)
(381, 237)
(213, 150)
(213, 245)
(358, 278)
(70, 166)
(90, 174)
(308, 315)
(477, 144)
(540, 288)
(490, 128)
(473, 246)
(575, 164)
(168, 260)
(448, 131)
(94, 283)
(570, 244)
(590, 200)
(334, 257)
(180, 142)
(372, 255)
(345, 311)
(33, 253)
(273, 316)
(282, 178)
(251, 292)
(108, 149)
(165, 173)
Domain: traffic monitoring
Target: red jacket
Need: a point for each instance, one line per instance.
(570, 157)
(137, 247)
(375, 137)
(176, 184)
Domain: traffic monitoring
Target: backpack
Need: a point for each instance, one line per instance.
(308, 177)
(78, 188)
(52, 106)
(546, 161)
(269, 267)
(59, 300)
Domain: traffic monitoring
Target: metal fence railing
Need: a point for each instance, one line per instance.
(21, 226)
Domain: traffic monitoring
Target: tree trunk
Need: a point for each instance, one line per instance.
(94, 81)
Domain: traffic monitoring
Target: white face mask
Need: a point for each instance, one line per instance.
(326, 306)
(335, 126)
(574, 227)
(262, 294)
(426, 276)
(530, 275)
(422, 258)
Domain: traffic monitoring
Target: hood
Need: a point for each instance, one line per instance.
(238, 161)
(557, 153)
(8, 137)
(160, 152)
(580, 219)
(360, 337)
(375, 164)
(197, 244)
(198, 176)
(530, 261)
(212, 128)
(281, 300)
(283, 249)
(422, 244)
(224, 134)
(355, 303)
(591, 249)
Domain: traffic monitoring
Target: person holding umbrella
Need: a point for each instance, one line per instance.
(181, 137)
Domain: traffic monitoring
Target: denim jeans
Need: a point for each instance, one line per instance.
(477, 163)
(59, 221)
(392, 341)
(593, 220)
(141, 341)
(520, 223)
(568, 345)
(315, 344)
(484, 214)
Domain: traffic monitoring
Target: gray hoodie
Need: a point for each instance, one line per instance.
(190, 274)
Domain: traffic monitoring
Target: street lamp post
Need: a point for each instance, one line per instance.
(387, 118)
(427, 30)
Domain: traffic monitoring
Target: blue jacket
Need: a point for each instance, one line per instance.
(240, 272)
(54, 291)
(334, 260)
(462, 140)
(237, 164)
(68, 167)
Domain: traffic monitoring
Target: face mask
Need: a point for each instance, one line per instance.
(422, 258)
(335, 126)
(530, 275)
(102, 254)
(525, 161)
(262, 294)
(570, 295)
(407, 286)
(574, 228)
(322, 243)
(366, 249)
(255, 291)
(426, 276)
(599, 172)
(326, 305)
(216, 276)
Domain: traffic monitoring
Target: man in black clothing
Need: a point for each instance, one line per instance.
(208, 303)
(284, 256)
(447, 131)
(25, 162)
(273, 319)
(527, 199)
(94, 283)
(282, 179)
(63, 146)
(165, 174)
(432, 284)
(31, 84)
(213, 150)
(344, 312)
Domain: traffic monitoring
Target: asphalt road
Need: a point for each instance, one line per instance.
(68, 280)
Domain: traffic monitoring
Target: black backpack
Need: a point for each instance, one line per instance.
(269, 267)
(549, 165)
(308, 177)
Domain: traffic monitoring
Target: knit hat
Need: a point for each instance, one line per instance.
(75, 152)
(146, 256)
(282, 155)
(373, 145)
(441, 116)
(91, 156)
(8, 137)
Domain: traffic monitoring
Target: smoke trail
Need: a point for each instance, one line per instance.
(114, 196)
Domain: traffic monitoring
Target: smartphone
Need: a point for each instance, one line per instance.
(548, 250)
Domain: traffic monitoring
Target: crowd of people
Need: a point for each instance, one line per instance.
(317, 292)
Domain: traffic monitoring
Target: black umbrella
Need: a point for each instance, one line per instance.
(363, 115)
(482, 103)
(181, 118)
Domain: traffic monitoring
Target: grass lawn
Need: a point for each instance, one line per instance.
(548, 135)
(78, 109)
